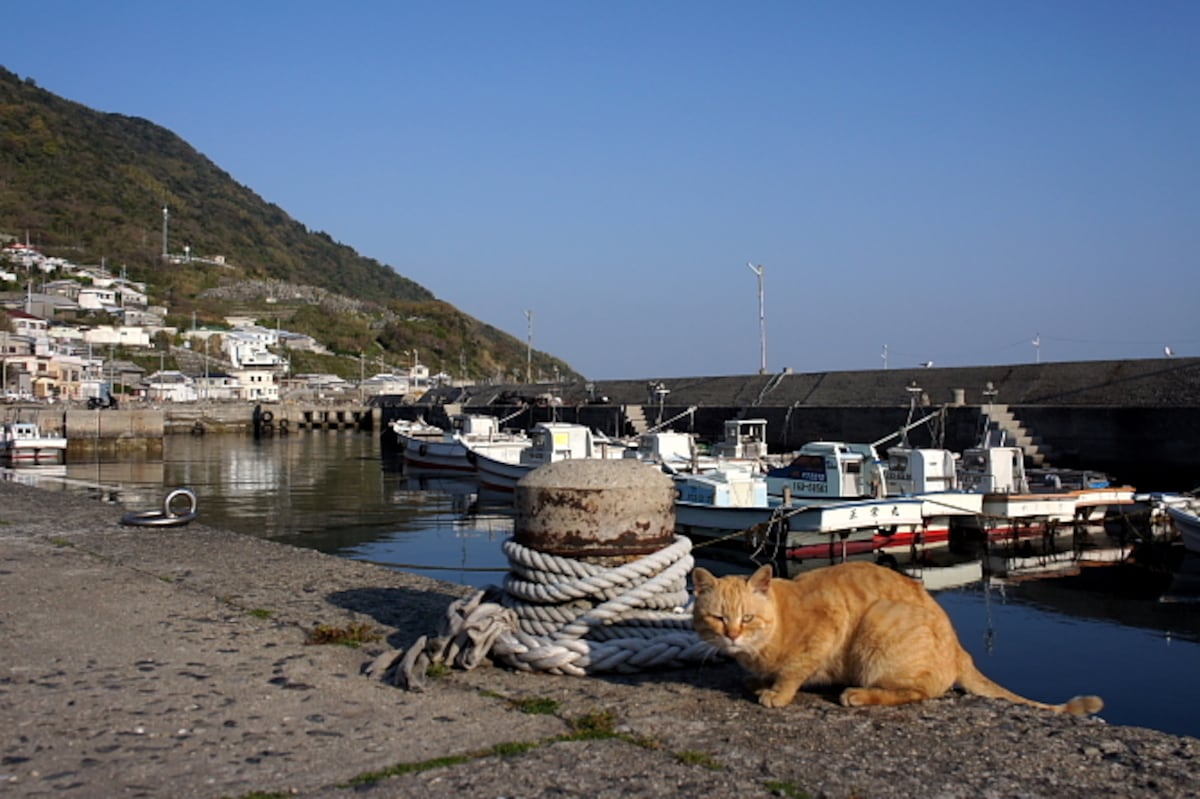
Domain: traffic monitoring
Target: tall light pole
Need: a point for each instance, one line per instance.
(529, 349)
(762, 317)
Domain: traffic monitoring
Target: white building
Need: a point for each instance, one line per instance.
(120, 336)
(92, 298)
(218, 387)
(170, 387)
(249, 349)
(257, 385)
(385, 384)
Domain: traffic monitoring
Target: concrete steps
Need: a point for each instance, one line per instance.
(636, 416)
(1037, 452)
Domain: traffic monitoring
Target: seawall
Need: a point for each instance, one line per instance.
(1138, 420)
(138, 430)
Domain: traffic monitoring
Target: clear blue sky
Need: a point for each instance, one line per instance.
(949, 179)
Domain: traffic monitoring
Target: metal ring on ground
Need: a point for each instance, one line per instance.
(167, 517)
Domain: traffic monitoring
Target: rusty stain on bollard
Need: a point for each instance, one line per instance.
(595, 508)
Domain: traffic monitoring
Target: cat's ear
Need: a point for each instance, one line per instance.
(760, 581)
(703, 579)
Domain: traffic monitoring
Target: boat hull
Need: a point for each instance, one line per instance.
(24, 444)
(1188, 524)
(498, 475)
(43, 455)
(813, 530)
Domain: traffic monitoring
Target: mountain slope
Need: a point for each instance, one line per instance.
(92, 186)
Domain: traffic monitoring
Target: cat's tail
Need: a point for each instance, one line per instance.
(973, 681)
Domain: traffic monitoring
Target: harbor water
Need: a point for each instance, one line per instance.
(1103, 631)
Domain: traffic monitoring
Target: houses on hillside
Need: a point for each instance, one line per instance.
(50, 352)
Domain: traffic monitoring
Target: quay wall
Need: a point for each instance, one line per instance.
(1138, 420)
(139, 431)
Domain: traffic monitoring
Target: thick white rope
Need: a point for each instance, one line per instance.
(565, 616)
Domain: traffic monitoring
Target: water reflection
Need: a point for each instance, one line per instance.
(1102, 631)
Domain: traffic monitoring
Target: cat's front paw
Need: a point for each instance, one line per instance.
(770, 697)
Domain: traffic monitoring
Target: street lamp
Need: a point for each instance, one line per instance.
(206, 383)
(529, 349)
(762, 317)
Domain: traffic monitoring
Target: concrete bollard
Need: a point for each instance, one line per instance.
(595, 509)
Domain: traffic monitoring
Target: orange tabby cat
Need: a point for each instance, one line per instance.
(855, 624)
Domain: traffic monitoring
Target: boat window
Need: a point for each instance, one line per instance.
(806, 467)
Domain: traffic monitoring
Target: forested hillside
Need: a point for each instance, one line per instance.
(91, 187)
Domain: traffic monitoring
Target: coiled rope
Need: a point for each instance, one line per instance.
(565, 616)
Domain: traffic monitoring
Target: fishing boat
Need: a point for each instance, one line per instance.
(838, 471)
(1009, 506)
(430, 448)
(549, 442)
(733, 502)
(24, 443)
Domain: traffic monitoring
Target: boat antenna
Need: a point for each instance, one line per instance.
(762, 318)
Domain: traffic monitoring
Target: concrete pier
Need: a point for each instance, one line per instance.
(1138, 420)
(175, 662)
(138, 430)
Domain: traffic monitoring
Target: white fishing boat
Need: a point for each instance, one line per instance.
(733, 501)
(1095, 495)
(429, 448)
(1009, 507)
(24, 443)
(837, 471)
(550, 442)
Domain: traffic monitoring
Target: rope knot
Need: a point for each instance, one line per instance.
(565, 616)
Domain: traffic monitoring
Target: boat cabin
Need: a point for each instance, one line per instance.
(742, 439)
(919, 470)
(993, 470)
(728, 487)
(558, 441)
(473, 425)
(666, 447)
(830, 470)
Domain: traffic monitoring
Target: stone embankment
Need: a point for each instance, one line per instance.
(176, 662)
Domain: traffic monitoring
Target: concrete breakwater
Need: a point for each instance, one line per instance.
(139, 431)
(1138, 420)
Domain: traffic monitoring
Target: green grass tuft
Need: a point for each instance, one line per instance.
(694, 758)
(537, 706)
(352, 635)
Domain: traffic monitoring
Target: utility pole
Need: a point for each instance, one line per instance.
(529, 349)
(762, 317)
(166, 215)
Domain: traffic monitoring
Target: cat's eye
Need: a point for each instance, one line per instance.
(749, 617)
